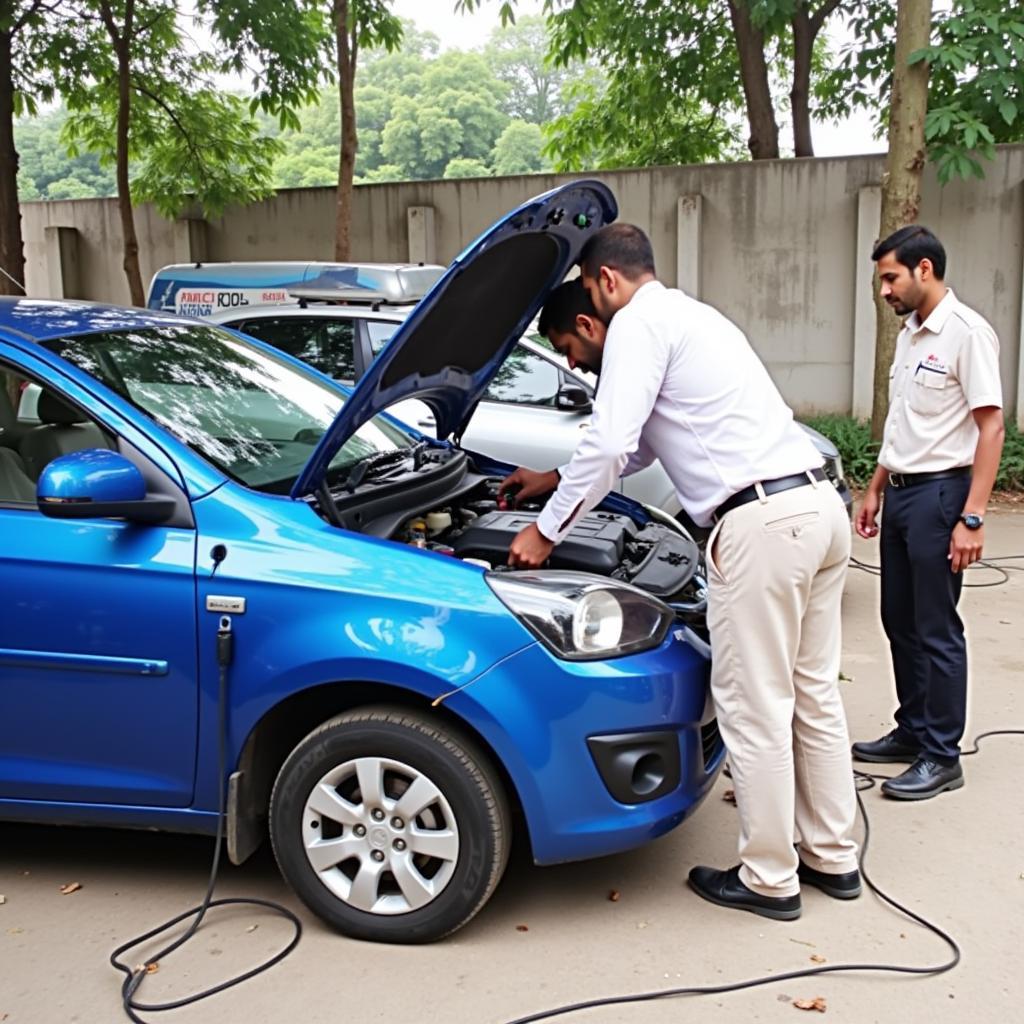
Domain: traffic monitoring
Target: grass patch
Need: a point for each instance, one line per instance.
(860, 454)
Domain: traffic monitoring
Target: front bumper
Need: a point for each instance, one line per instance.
(605, 755)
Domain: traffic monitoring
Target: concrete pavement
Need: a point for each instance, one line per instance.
(552, 935)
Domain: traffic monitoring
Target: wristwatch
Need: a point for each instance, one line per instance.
(972, 522)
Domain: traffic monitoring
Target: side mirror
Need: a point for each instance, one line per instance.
(96, 483)
(572, 396)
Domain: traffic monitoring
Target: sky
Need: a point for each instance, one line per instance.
(471, 31)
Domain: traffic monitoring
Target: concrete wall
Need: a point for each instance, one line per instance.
(782, 247)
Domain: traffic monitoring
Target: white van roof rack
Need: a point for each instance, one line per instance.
(373, 284)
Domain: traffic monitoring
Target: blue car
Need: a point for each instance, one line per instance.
(220, 571)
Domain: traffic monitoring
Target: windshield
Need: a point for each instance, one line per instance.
(254, 416)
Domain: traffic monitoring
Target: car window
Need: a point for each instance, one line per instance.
(324, 343)
(380, 333)
(252, 415)
(525, 378)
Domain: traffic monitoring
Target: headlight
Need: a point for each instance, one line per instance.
(583, 617)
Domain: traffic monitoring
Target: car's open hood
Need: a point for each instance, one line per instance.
(454, 341)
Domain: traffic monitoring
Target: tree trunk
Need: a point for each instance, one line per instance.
(806, 26)
(12, 255)
(800, 94)
(346, 54)
(901, 183)
(122, 44)
(764, 132)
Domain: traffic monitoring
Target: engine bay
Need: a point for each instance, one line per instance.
(443, 505)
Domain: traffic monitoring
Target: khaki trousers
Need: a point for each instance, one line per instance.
(776, 569)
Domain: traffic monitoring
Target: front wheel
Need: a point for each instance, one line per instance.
(388, 827)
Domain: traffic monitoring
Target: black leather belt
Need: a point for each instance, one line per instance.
(898, 480)
(782, 483)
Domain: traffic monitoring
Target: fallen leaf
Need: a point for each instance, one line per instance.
(844, 678)
(817, 1003)
(817, 958)
(67, 890)
(15, 931)
(252, 928)
(729, 796)
(614, 895)
(801, 942)
(3, 899)
(152, 968)
(522, 927)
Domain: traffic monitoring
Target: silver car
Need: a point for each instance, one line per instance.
(533, 413)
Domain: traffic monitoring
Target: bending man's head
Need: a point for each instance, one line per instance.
(614, 263)
(570, 322)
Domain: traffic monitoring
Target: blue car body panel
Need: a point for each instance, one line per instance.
(109, 680)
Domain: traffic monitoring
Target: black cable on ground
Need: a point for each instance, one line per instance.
(865, 780)
(134, 976)
(982, 563)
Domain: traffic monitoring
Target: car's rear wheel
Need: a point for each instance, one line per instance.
(389, 827)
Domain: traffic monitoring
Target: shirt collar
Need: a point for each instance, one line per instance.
(938, 316)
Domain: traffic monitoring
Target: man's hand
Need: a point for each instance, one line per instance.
(529, 483)
(530, 549)
(867, 515)
(965, 547)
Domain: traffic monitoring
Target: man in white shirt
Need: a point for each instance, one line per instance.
(680, 383)
(939, 458)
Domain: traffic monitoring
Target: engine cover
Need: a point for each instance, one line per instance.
(654, 557)
(596, 543)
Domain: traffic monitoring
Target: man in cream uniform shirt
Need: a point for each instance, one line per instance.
(945, 420)
(680, 383)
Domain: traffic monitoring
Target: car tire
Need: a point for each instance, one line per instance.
(390, 827)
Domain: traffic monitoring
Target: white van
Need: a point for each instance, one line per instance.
(205, 289)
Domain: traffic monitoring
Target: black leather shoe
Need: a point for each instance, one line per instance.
(845, 886)
(726, 889)
(924, 779)
(888, 750)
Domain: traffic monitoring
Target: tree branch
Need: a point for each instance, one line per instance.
(160, 102)
(821, 15)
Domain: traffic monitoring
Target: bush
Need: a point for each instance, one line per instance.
(860, 454)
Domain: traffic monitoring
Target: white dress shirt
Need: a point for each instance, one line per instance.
(680, 383)
(943, 368)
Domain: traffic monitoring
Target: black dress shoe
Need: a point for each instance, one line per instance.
(845, 886)
(924, 779)
(888, 750)
(726, 889)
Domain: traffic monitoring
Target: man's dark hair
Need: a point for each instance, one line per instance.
(911, 245)
(623, 247)
(564, 304)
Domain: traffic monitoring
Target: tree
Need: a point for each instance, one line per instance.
(901, 183)
(976, 85)
(22, 81)
(694, 62)
(136, 93)
(517, 54)
(456, 113)
(519, 149)
(357, 24)
(466, 167)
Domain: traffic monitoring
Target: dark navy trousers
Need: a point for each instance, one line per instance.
(919, 598)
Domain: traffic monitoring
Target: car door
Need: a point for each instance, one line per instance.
(98, 691)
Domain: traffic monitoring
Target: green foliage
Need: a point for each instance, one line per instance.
(976, 79)
(46, 171)
(853, 439)
(186, 139)
(466, 167)
(860, 454)
(518, 149)
(535, 85)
